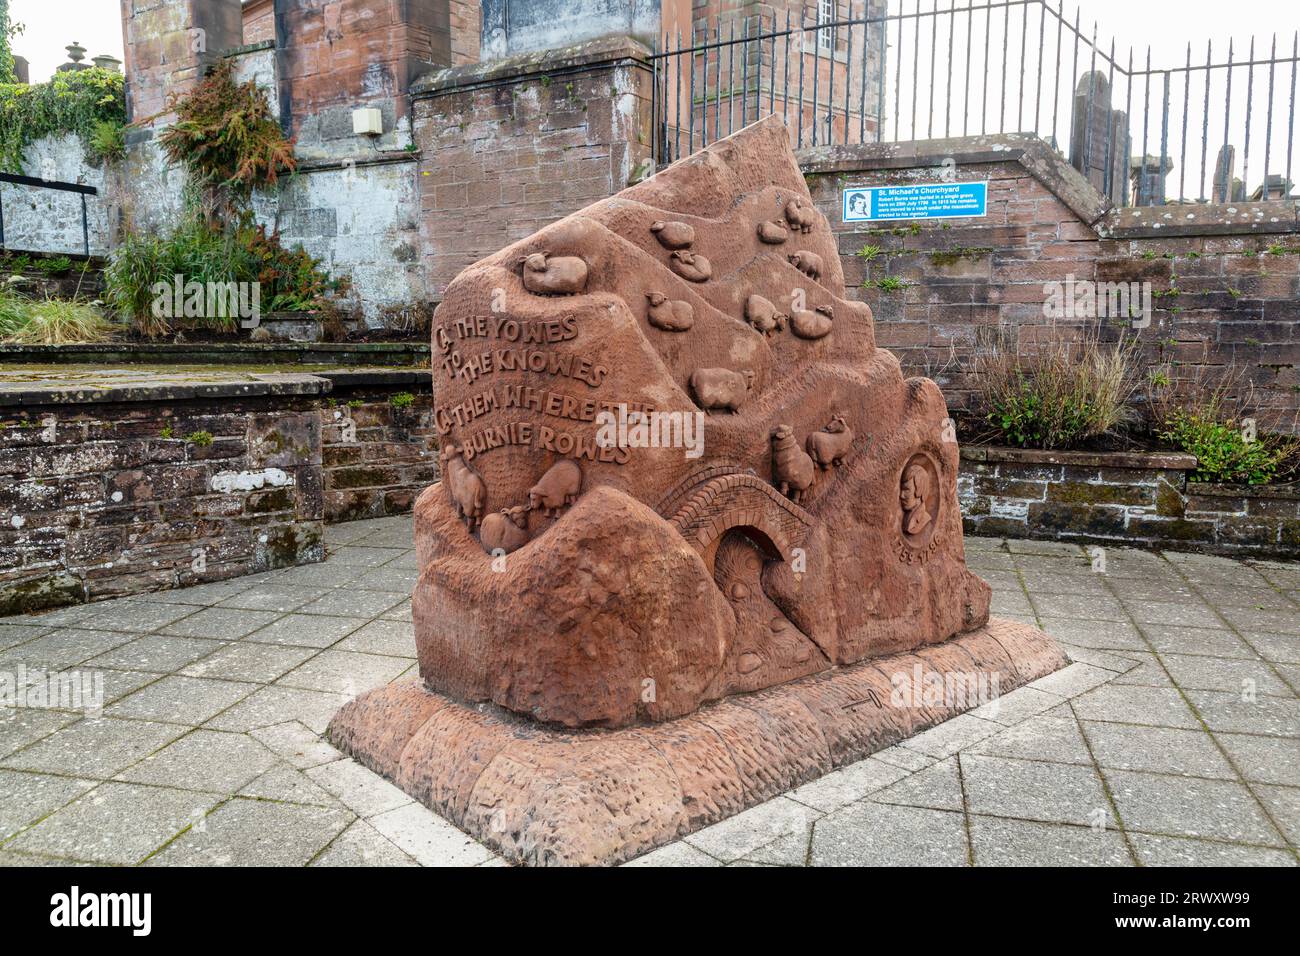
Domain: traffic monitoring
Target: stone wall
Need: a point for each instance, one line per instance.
(99, 500)
(47, 220)
(334, 56)
(510, 146)
(377, 454)
(1123, 499)
(1225, 280)
(141, 486)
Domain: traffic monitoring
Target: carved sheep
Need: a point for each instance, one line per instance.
(763, 316)
(557, 488)
(673, 235)
(792, 468)
(721, 388)
(809, 263)
(773, 232)
(669, 315)
(467, 490)
(559, 275)
(812, 325)
(799, 214)
(692, 267)
(829, 446)
(505, 530)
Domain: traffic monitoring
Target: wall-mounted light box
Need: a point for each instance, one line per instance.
(367, 122)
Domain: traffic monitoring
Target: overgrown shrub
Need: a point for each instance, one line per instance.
(76, 101)
(290, 279)
(225, 135)
(1227, 451)
(1057, 394)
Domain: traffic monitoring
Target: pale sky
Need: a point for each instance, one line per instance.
(1168, 25)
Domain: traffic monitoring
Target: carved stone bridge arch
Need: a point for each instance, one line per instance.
(719, 504)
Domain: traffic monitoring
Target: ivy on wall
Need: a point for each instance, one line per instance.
(8, 30)
(77, 101)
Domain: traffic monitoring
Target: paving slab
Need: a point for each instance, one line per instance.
(26, 798)
(1032, 790)
(244, 832)
(204, 760)
(1001, 842)
(94, 747)
(116, 823)
(1157, 749)
(362, 845)
(1191, 807)
(879, 834)
(427, 838)
(181, 700)
(1176, 851)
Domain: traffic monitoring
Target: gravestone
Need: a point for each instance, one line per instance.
(697, 539)
(1097, 136)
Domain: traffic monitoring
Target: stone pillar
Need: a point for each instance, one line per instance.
(1148, 175)
(466, 22)
(509, 146)
(334, 56)
(169, 44)
(1221, 184)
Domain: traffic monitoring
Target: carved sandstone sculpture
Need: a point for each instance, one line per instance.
(829, 446)
(560, 711)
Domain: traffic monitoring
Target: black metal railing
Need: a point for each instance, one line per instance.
(32, 181)
(869, 71)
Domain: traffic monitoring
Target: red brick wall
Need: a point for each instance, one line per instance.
(1236, 304)
(351, 52)
(259, 21)
(502, 159)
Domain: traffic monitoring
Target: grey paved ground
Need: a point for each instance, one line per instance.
(1174, 738)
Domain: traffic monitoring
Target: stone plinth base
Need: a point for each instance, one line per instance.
(545, 796)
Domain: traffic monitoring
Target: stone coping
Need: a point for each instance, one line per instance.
(1173, 461)
(102, 386)
(223, 353)
(55, 385)
(1289, 491)
(1205, 219)
(546, 796)
(524, 66)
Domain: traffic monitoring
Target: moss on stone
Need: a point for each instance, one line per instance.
(42, 594)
